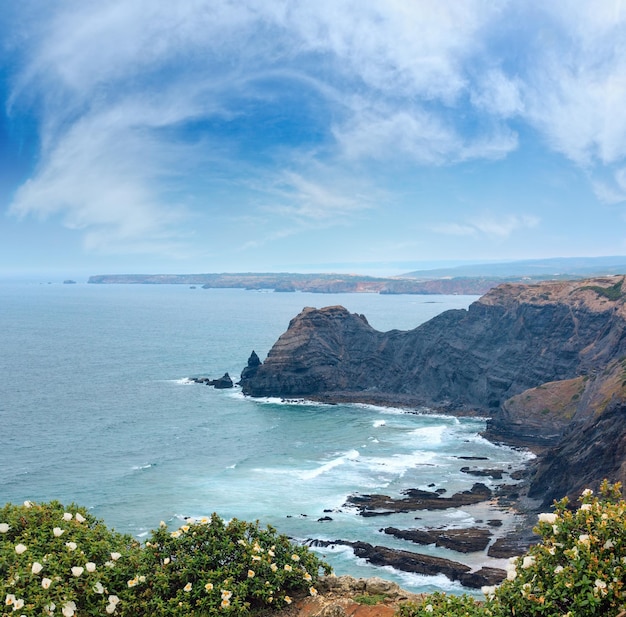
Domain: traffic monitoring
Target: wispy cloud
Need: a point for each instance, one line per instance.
(136, 100)
(498, 228)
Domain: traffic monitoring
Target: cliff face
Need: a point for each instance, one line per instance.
(514, 338)
(538, 359)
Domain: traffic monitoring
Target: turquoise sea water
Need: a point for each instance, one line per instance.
(95, 408)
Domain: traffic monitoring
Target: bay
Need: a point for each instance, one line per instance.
(95, 409)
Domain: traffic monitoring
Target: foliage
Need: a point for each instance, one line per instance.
(370, 599)
(577, 569)
(57, 560)
(443, 605)
(614, 292)
(61, 560)
(211, 566)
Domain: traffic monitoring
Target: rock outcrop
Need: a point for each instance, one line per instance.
(545, 362)
(222, 383)
(420, 563)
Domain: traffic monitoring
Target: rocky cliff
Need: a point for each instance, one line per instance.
(543, 361)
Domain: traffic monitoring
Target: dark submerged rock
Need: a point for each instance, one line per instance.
(416, 499)
(469, 540)
(418, 563)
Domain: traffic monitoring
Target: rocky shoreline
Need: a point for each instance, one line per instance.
(480, 539)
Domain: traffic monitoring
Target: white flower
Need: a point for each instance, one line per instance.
(49, 608)
(79, 517)
(187, 587)
(548, 517)
(585, 507)
(110, 608)
(288, 568)
(558, 569)
(10, 599)
(176, 534)
(166, 560)
(20, 548)
(69, 608)
(46, 582)
(4, 527)
(511, 572)
(287, 600)
(90, 566)
(226, 595)
(114, 600)
(37, 568)
(28, 504)
(109, 564)
(115, 556)
(313, 591)
(250, 573)
(609, 544)
(133, 582)
(98, 588)
(209, 586)
(18, 604)
(71, 545)
(428, 608)
(489, 590)
(528, 561)
(295, 558)
(587, 492)
(77, 570)
(58, 532)
(162, 524)
(67, 516)
(583, 539)
(600, 584)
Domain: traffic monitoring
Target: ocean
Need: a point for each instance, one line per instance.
(96, 408)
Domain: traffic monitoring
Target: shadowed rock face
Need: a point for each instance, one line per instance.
(514, 338)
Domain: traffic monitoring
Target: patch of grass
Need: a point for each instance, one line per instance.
(614, 292)
(370, 599)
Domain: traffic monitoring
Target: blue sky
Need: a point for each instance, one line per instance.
(372, 136)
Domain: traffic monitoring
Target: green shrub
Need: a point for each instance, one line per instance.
(370, 599)
(211, 566)
(577, 570)
(443, 605)
(57, 560)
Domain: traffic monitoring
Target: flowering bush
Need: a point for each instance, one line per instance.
(443, 605)
(57, 560)
(211, 566)
(577, 569)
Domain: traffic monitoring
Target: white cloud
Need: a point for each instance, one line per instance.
(105, 176)
(575, 90)
(313, 201)
(420, 83)
(500, 228)
(498, 94)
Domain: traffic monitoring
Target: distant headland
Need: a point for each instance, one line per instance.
(475, 279)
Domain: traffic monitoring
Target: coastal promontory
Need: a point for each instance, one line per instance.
(545, 362)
